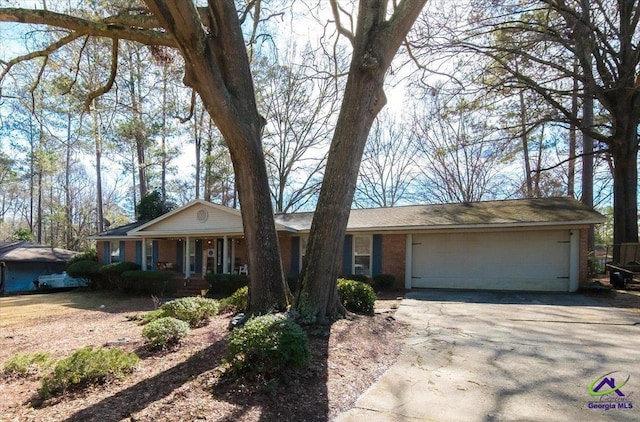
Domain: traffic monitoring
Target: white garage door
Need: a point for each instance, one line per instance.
(531, 260)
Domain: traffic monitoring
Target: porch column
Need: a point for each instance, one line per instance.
(144, 254)
(187, 258)
(225, 255)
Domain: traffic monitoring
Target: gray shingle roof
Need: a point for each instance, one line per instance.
(508, 213)
(120, 231)
(32, 252)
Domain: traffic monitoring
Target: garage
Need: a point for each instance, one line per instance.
(540, 260)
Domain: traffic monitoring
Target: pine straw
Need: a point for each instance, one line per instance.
(185, 383)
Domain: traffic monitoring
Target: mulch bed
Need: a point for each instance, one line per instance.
(185, 383)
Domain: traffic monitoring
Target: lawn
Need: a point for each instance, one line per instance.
(184, 383)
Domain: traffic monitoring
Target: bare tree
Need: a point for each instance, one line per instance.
(378, 35)
(211, 41)
(460, 152)
(608, 55)
(300, 107)
(388, 167)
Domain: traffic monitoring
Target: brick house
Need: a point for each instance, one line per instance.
(525, 244)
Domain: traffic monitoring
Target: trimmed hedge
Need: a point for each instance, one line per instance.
(226, 284)
(88, 269)
(157, 283)
(383, 282)
(112, 273)
(356, 296)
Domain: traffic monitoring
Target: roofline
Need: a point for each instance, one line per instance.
(584, 223)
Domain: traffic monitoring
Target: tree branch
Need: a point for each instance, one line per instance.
(132, 32)
(341, 29)
(584, 154)
(112, 76)
(40, 53)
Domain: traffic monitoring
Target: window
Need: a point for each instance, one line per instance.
(149, 253)
(362, 255)
(114, 247)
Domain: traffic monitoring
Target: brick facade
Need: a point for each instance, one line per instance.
(394, 252)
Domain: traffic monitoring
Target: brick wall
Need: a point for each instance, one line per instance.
(285, 254)
(394, 248)
(130, 250)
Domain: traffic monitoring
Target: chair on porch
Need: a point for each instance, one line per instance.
(244, 269)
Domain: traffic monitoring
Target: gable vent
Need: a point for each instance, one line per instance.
(202, 215)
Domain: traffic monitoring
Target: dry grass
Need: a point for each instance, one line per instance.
(184, 384)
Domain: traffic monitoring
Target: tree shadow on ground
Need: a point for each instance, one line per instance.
(296, 395)
(137, 397)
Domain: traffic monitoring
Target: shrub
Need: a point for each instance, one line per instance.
(238, 301)
(157, 283)
(382, 282)
(356, 296)
(86, 269)
(87, 255)
(226, 284)
(25, 364)
(193, 310)
(113, 272)
(165, 331)
(151, 316)
(266, 346)
(117, 268)
(85, 367)
(356, 277)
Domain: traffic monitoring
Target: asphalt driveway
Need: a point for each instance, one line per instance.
(486, 356)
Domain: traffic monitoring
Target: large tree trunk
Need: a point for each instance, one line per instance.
(374, 46)
(625, 185)
(217, 67)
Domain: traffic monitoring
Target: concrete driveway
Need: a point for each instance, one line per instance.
(488, 356)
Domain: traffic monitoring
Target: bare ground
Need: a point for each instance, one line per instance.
(184, 384)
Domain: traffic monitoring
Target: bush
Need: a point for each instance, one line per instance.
(266, 346)
(238, 301)
(87, 255)
(151, 316)
(25, 364)
(193, 310)
(86, 269)
(85, 367)
(226, 284)
(165, 331)
(383, 282)
(112, 273)
(157, 283)
(356, 277)
(117, 268)
(356, 296)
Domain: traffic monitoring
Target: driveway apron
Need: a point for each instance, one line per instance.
(491, 356)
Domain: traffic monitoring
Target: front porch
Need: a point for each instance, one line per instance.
(193, 258)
